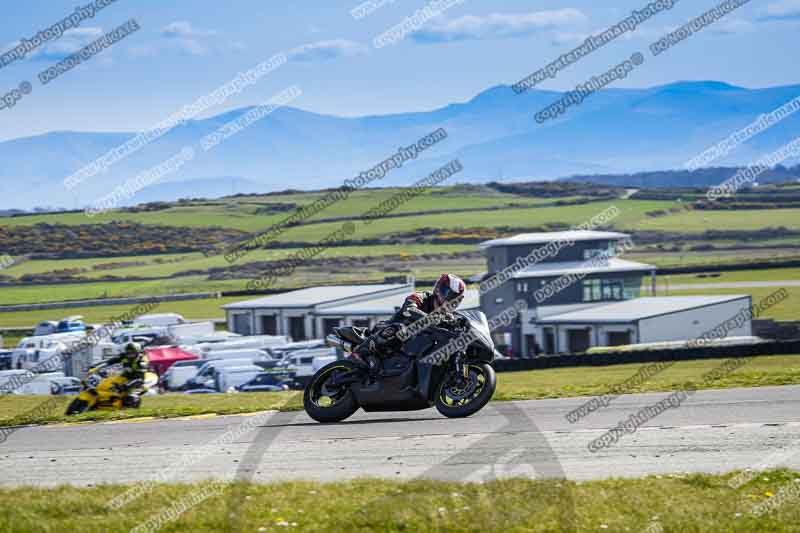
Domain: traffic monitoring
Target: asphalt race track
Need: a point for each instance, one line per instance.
(712, 431)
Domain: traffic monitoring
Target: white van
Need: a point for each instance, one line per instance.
(180, 372)
(200, 332)
(228, 378)
(258, 342)
(47, 327)
(283, 351)
(159, 320)
(245, 353)
(306, 362)
(40, 385)
(190, 330)
(33, 350)
(212, 338)
(205, 376)
(124, 336)
(40, 342)
(5, 379)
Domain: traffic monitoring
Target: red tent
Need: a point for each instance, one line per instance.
(162, 358)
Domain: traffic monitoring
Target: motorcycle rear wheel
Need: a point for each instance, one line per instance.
(462, 400)
(329, 405)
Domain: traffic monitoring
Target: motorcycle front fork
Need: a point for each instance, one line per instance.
(461, 368)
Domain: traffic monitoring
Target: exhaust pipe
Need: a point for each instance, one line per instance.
(335, 341)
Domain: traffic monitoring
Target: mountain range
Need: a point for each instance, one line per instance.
(494, 135)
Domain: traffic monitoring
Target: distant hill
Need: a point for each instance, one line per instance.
(196, 188)
(705, 177)
(495, 136)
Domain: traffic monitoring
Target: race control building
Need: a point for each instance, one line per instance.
(581, 293)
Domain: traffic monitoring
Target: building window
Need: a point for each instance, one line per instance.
(592, 290)
(609, 251)
(599, 290)
(632, 288)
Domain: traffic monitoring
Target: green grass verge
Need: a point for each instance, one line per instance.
(672, 503)
(15, 410)
(528, 385)
(590, 381)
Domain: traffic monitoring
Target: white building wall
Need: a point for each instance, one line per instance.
(691, 324)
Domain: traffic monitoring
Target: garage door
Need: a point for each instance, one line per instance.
(269, 325)
(241, 324)
(578, 340)
(619, 338)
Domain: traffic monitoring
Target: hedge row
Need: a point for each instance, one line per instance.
(620, 358)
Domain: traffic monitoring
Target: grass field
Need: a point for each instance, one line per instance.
(772, 274)
(691, 503)
(631, 211)
(173, 263)
(788, 309)
(193, 309)
(528, 385)
(713, 257)
(699, 221)
(105, 289)
(243, 213)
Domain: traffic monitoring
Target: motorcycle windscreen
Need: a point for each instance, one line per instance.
(480, 327)
(150, 380)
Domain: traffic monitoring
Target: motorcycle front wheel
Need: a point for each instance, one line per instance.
(76, 407)
(329, 404)
(460, 397)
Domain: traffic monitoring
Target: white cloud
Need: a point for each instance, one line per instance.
(183, 29)
(732, 27)
(500, 25)
(182, 35)
(69, 43)
(783, 10)
(325, 50)
(237, 46)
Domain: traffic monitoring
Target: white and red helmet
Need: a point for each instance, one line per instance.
(449, 288)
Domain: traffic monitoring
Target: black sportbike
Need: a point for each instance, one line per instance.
(448, 367)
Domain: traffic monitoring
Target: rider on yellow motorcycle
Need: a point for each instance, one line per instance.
(133, 364)
(103, 391)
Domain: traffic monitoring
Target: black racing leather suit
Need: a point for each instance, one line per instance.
(384, 335)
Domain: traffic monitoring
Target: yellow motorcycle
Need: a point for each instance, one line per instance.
(110, 392)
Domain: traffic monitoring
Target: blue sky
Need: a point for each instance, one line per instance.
(186, 49)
